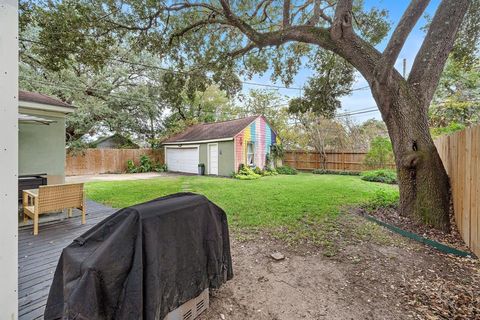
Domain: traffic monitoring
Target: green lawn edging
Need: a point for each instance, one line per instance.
(434, 244)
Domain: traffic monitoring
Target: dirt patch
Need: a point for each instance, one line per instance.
(363, 280)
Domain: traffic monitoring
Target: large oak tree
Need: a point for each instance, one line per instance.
(278, 34)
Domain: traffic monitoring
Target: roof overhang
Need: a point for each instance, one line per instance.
(45, 107)
(197, 141)
(25, 118)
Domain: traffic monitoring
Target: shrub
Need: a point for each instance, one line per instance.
(343, 173)
(287, 170)
(451, 128)
(380, 153)
(246, 173)
(146, 165)
(269, 172)
(383, 199)
(383, 175)
(160, 167)
(277, 152)
(131, 167)
(259, 171)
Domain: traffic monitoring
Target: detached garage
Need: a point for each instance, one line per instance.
(221, 146)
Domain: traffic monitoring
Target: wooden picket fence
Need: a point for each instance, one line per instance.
(460, 153)
(98, 161)
(340, 161)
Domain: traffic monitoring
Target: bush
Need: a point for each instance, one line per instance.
(343, 173)
(146, 165)
(451, 128)
(384, 176)
(380, 153)
(258, 171)
(269, 172)
(131, 167)
(287, 170)
(246, 173)
(383, 199)
(160, 167)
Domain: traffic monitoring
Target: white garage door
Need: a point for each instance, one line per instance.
(182, 159)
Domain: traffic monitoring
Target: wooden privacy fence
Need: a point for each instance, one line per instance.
(341, 161)
(460, 153)
(97, 161)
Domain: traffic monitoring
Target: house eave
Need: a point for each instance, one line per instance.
(45, 107)
(197, 141)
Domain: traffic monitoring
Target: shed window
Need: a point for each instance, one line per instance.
(250, 154)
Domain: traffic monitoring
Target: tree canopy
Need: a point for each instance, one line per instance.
(218, 41)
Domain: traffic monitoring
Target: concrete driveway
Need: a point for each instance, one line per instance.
(117, 177)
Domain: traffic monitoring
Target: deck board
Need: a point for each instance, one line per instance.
(38, 257)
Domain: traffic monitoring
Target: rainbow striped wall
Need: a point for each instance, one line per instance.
(261, 134)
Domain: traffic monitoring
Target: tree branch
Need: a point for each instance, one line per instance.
(301, 8)
(318, 13)
(286, 13)
(342, 22)
(403, 29)
(201, 23)
(259, 6)
(172, 8)
(243, 50)
(235, 21)
(348, 45)
(438, 43)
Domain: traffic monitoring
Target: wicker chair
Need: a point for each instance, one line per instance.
(53, 198)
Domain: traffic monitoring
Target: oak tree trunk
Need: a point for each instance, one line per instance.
(423, 182)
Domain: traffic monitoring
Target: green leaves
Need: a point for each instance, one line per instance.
(332, 80)
(380, 154)
(456, 103)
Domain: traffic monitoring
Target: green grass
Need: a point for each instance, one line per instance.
(274, 201)
(120, 194)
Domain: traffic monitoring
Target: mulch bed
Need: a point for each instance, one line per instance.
(443, 286)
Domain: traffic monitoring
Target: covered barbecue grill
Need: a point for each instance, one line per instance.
(143, 261)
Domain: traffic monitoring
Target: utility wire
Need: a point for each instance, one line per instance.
(146, 102)
(124, 61)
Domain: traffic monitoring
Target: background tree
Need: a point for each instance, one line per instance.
(360, 136)
(116, 85)
(323, 134)
(380, 154)
(280, 35)
(456, 102)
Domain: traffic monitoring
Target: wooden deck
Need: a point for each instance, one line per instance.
(38, 257)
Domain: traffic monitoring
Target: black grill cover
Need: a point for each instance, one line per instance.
(143, 261)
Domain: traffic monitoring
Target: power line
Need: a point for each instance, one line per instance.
(188, 71)
(131, 99)
(356, 112)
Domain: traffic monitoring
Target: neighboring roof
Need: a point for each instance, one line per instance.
(116, 139)
(212, 131)
(25, 118)
(42, 99)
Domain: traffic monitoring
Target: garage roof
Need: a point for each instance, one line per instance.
(211, 131)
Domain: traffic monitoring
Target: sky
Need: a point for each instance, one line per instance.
(362, 99)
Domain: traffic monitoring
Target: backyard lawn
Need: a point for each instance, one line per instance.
(267, 202)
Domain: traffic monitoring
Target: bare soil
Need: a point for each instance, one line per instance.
(364, 279)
